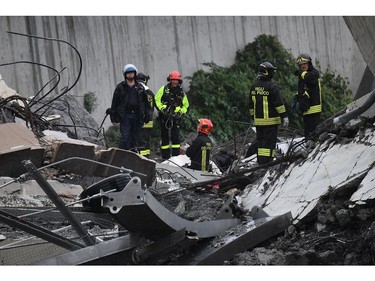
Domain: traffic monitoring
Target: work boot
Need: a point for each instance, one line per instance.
(165, 154)
(175, 151)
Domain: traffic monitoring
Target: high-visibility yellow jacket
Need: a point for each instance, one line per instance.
(174, 99)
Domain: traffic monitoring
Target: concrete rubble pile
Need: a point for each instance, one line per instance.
(328, 188)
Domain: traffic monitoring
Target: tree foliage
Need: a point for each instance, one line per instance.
(89, 101)
(222, 93)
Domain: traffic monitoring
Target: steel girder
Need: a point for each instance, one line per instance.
(139, 212)
(100, 253)
(226, 246)
(38, 231)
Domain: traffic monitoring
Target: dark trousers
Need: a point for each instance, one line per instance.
(144, 141)
(310, 122)
(266, 140)
(129, 129)
(170, 133)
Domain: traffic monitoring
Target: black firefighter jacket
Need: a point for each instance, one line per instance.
(309, 91)
(199, 152)
(265, 103)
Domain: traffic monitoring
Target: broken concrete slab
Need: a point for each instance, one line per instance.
(76, 120)
(16, 135)
(18, 143)
(128, 160)
(32, 188)
(300, 187)
(77, 149)
(366, 190)
(61, 147)
(15, 157)
(192, 175)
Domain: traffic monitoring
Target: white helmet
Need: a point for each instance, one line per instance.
(129, 68)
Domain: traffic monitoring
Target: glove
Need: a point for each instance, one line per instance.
(285, 122)
(163, 108)
(294, 104)
(108, 111)
(114, 118)
(297, 72)
(178, 112)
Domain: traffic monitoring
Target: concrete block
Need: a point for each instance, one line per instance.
(68, 149)
(129, 160)
(18, 143)
(11, 160)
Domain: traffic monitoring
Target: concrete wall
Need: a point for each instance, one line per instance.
(158, 45)
(363, 31)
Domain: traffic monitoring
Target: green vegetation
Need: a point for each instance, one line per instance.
(112, 136)
(89, 101)
(221, 93)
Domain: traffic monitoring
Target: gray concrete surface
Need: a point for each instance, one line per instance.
(157, 45)
(363, 31)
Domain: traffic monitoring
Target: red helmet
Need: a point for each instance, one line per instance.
(174, 75)
(205, 126)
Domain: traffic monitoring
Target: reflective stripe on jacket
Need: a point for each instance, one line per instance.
(166, 97)
(265, 103)
(309, 81)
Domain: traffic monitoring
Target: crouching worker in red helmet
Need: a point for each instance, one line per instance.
(200, 149)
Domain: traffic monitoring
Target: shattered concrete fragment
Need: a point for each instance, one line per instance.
(365, 190)
(73, 148)
(18, 143)
(301, 186)
(128, 160)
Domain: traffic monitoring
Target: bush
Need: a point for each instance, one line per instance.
(222, 94)
(89, 101)
(112, 136)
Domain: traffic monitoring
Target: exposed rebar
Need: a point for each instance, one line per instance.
(57, 40)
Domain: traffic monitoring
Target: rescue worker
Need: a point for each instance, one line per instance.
(128, 108)
(172, 104)
(200, 149)
(144, 139)
(266, 111)
(308, 100)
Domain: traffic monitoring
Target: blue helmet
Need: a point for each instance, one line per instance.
(129, 68)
